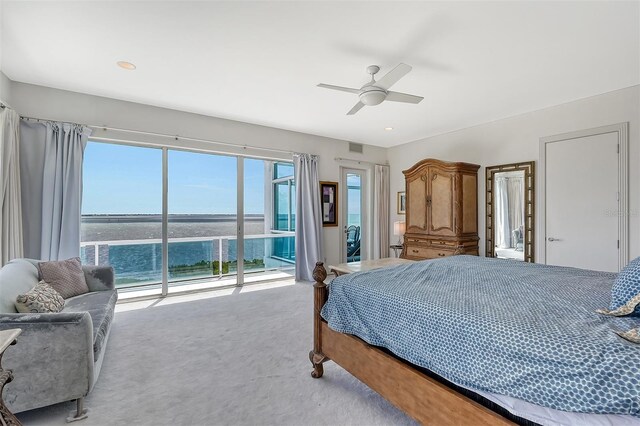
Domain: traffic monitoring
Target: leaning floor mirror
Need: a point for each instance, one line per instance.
(510, 211)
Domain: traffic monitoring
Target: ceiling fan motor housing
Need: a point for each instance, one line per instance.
(372, 95)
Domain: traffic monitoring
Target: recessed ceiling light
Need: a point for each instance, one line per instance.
(126, 65)
(388, 128)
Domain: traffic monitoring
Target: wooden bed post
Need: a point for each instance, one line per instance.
(320, 297)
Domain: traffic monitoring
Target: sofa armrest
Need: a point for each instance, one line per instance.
(52, 360)
(27, 321)
(99, 278)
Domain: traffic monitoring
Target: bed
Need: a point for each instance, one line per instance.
(479, 340)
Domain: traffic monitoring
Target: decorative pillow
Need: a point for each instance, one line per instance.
(41, 299)
(65, 276)
(626, 286)
(623, 310)
(632, 335)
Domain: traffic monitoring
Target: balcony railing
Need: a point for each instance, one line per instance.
(139, 262)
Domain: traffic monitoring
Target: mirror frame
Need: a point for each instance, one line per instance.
(529, 206)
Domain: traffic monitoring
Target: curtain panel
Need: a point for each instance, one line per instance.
(11, 240)
(51, 173)
(515, 191)
(381, 202)
(509, 209)
(309, 245)
(502, 225)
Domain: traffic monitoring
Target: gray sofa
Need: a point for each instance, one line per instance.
(58, 356)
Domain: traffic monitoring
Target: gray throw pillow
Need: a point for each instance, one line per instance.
(42, 299)
(65, 276)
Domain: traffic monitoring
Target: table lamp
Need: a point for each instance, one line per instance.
(398, 229)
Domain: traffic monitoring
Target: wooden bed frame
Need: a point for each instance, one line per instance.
(401, 383)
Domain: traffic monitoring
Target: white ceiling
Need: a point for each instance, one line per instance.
(259, 62)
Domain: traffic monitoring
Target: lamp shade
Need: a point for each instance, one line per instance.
(399, 227)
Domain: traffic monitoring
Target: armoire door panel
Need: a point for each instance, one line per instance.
(442, 205)
(469, 204)
(416, 198)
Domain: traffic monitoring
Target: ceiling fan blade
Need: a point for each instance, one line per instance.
(403, 97)
(340, 88)
(393, 76)
(357, 107)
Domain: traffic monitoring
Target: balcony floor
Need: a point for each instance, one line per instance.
(202, 284)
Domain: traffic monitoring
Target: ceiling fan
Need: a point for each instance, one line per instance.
(375, 92)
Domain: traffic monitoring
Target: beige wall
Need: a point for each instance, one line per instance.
(517, 139)
(54, 104)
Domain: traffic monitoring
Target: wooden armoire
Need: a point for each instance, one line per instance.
(441, 210)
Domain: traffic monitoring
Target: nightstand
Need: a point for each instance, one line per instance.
(395, 248)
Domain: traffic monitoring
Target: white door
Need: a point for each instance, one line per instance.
(582, 202)
(354, 218)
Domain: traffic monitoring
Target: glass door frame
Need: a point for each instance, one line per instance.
(240, 222)
(364, 212)
(165, 198)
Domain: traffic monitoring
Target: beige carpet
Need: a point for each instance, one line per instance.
(232, 357)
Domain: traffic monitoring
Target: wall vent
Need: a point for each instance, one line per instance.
(356, 147)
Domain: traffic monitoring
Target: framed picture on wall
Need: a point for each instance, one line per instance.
(402, 202)
(329, 200)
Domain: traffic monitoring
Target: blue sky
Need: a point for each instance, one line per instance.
(123, 179)
(128, 180)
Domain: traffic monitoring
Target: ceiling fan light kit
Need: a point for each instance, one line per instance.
(372, 96)
(375, 92)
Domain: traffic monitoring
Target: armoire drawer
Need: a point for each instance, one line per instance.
(427, 253)
(445, 244)
(414, 240)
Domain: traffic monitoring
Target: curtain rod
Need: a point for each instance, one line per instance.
(175, 137)
(359, 161)
(178, 137)
(24, 117)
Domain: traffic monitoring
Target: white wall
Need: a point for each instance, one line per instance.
(42, 102)
(5, 88)
(5, 84)
(517, 139)
(504, 141)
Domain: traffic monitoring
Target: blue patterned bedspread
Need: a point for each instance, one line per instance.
(525, 330)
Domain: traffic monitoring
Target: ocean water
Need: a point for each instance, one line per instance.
(140, 262)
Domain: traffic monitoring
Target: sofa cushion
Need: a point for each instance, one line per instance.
(17, 277)
(100, 305)
(66, 276)
(42, 299)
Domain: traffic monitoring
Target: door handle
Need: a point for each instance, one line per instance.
(551, 239)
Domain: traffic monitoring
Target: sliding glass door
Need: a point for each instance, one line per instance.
(222, 219)
(202, 217)
(122, 211)
(268, 219)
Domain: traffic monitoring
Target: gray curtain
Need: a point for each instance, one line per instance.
(502, 225)
(309, 248)
(51, 173)
(515, 194)
(381, 202)
(11, 245)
